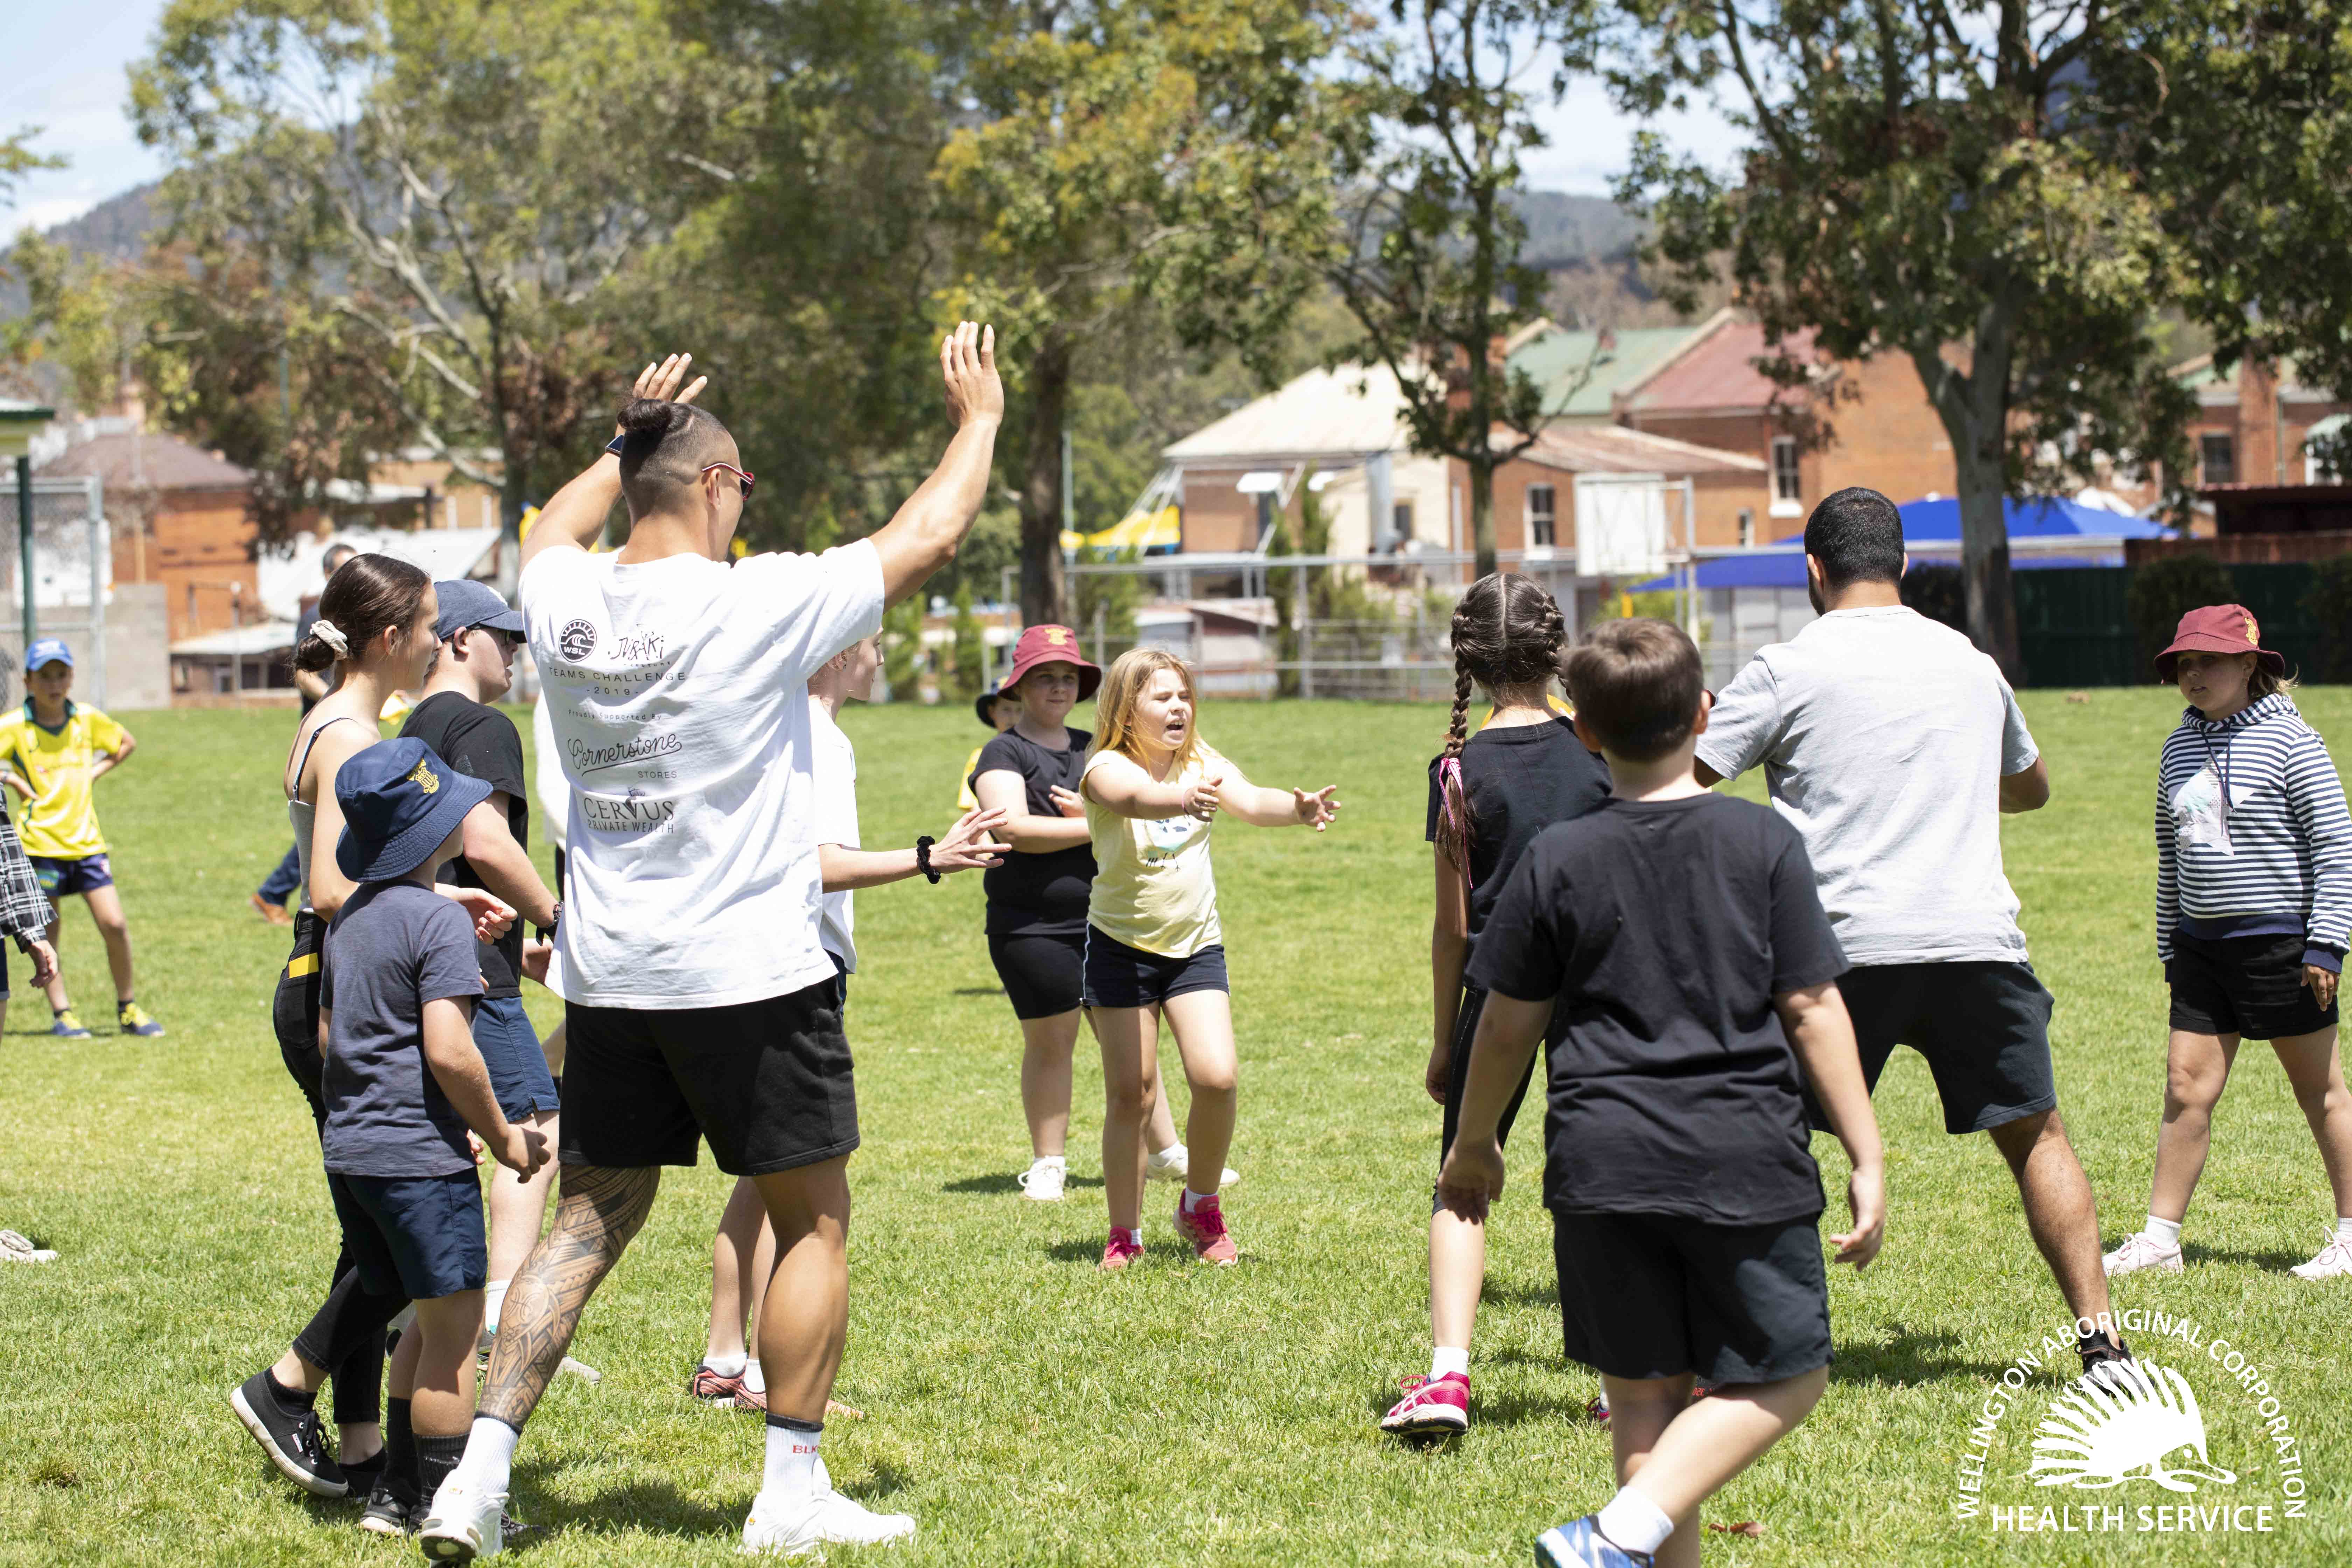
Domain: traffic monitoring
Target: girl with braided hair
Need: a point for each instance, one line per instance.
(1489, 795)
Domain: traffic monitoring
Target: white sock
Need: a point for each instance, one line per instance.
(1633, 1523)
(753, 1378)
(2343, 1230)
(2167, 1231)
(1193, 1200)
(1061, 1160)
(791, 1471)
(726, 1365)
(1446, 1359)
(488, 1463)
(1169, 1155)
(494, 1296)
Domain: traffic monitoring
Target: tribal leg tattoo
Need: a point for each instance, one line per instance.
(599, 1212)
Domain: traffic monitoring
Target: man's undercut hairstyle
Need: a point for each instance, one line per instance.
(1857, 536)
(664, 446)
(1637, 683)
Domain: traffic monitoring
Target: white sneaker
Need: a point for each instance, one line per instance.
(822, 1518)
(16, 1248)
(1042, 1183)
(462, 1522)
(2333, 1259)
(2141, 1250)
(1174, 1163)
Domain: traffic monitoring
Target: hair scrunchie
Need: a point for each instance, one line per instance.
(332, 635)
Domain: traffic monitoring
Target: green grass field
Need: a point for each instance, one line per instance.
(1028, 1409)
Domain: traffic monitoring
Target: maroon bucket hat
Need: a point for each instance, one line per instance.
(2219, 628)
(1051, 645)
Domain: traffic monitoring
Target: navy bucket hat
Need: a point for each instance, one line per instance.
(399, 801)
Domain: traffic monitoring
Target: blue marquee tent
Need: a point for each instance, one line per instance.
(1932, 521)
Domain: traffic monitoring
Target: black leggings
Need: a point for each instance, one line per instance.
(346, 1335)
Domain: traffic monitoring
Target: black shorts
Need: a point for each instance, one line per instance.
(2251, 986)
(1984, 1028)
(1457, 1074)
(1119, 976)
(418, 1236)
(1656, 1296)
(767, 1082)
(1043, 971)
(294, 1013)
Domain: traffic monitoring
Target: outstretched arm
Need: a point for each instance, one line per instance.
(924, 533)
(1119, 783)
(843, 869)
(575, 515)
(1262, 807)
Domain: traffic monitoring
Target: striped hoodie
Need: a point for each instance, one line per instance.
(2276, 860)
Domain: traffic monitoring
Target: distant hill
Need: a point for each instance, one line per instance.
(1567, 231)
(115, 227)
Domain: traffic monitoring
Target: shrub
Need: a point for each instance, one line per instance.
(2329, 605)
(1938, 592)
(2161, 592)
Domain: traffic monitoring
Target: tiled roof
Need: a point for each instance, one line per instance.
(150, 458)
(1720, 373)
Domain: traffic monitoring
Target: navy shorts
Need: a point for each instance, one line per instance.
(1118, 975)
(1644, 1296)
(510, 1049)
(64, 878)
(2251, 986)
(418, 1236)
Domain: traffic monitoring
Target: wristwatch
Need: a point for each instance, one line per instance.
(555, 918)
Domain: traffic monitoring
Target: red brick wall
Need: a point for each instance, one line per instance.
(200, 553)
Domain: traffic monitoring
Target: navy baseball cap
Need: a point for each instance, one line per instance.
(399, 801)
(464, 602)
(47, 650)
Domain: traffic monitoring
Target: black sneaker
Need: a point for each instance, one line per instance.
(388, 1513)
(2100, 1349)
(293, 1439)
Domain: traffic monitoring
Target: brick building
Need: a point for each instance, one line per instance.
(2251, 423)
(179, 519)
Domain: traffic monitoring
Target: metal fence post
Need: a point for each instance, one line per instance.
(25, 546)
(94, 510)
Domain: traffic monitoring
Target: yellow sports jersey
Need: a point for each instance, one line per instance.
(965, 799)
(60, 822)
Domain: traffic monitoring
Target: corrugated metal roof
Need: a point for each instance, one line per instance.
(1721, 373)
(1319, 415)
(1615, 450)
(1580, 374)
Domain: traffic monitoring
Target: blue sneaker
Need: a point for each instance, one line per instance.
(1579, 1543)
(131, 1018)
(68, 1027)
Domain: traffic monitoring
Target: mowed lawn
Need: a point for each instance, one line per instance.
(1028, 1409)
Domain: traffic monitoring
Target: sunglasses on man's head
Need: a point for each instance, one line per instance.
(741, 478)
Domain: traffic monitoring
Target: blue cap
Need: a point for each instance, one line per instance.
(47, 650)
(464, 602)
(399, 801)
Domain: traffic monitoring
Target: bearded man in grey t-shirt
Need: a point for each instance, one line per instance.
(1894, 745)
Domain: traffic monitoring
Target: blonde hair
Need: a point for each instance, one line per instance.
(1122, 688)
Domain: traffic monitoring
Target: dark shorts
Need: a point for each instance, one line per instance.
(767, 1082)
(510, 1048)
(1119, 976)
(64, 878)
(419, 1236)
(294, 1013)
(1655, 1296)
(1043, 971)
(1984, 1028)
(2251, 986)
(1457, 1074)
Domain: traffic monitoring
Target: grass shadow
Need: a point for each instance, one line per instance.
(2273, 1262)
(1906, 1358)
(1005, 1182)
(652, 1506)
(977, 991)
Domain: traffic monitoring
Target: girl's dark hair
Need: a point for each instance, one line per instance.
(1508, 631)
(367, 595)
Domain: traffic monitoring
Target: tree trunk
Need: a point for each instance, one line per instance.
(1974, 408)
(1482, 514)
(511, 505)
(1043, 599)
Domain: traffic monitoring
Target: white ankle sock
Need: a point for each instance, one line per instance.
(1633, 1523)
(494, 1296)
(2167, 1231)
(1169, 1155)
(791, 1471)
(2343, 1230)
(753, 1378)
(726, 1365)
(1446, 1359)
(488, 1463)
(1193, 1200)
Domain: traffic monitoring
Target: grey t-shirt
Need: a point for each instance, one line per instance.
(1885, 737)
(393, 947)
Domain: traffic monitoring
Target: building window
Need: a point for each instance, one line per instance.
(1543, 517)
(1400, 517)
(2219, 455)
(1747, 528)
(1785, 484)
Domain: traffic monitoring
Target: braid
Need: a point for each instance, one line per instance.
(1453, 803)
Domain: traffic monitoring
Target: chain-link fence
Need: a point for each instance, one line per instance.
(71, 565)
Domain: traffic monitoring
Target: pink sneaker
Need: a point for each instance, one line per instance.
(1204, 1227)
(1123, 1248)
(1431, 1407)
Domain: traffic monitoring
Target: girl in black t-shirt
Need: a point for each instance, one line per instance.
(1489, 795)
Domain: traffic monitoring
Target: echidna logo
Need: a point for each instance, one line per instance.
(2124, 1424)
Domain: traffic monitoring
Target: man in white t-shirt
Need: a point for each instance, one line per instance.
(700, 1002)
(1894, 745)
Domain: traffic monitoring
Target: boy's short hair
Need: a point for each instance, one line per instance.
(1857, 536)
(1637, 684)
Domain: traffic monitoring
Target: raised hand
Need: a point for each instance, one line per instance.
(963, 848)
(1203, 798)
(1317, 809)
(661, 380)
(968, 367)
(1070, 803)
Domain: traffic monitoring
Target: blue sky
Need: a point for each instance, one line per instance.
(71, 55)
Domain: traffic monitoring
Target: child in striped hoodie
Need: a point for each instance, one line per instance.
(2253, 897)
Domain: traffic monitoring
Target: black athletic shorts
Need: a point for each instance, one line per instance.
(294, 1013)
(1119, 976)
(767, 1082)
(1457, 1074)
(1984, 1028)
(1043, 971)
(2251, 986)
(1656, 1296)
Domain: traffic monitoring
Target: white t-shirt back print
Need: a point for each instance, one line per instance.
(677, 691)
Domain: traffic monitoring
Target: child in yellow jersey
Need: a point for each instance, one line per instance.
(54, 752)
(1154, 945)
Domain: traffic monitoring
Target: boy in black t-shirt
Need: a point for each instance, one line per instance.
(1694, 976)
